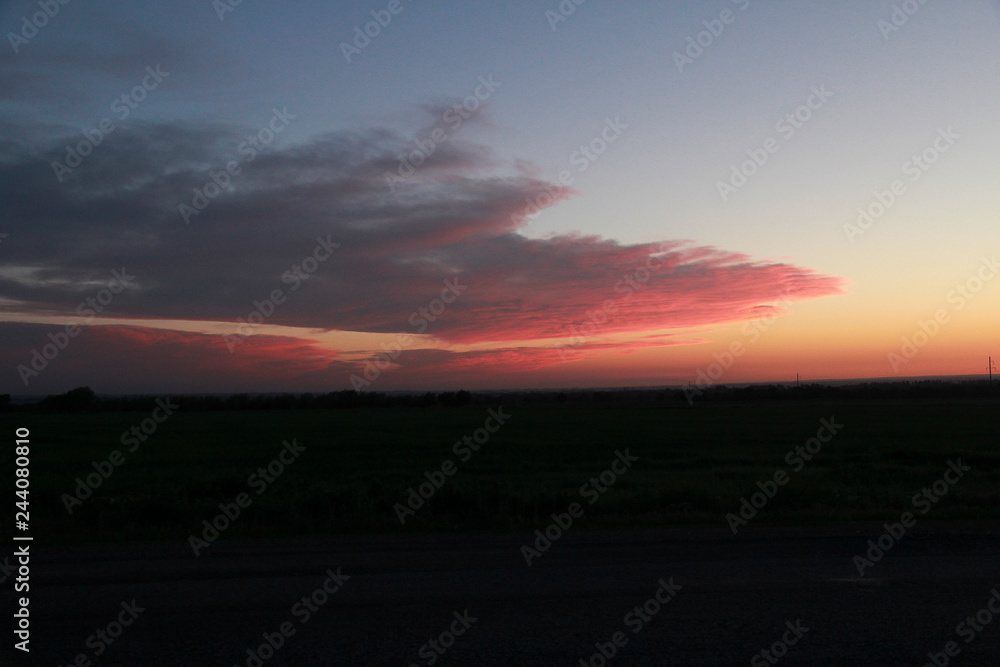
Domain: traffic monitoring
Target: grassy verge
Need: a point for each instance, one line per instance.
(694, 467)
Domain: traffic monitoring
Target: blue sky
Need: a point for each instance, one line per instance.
(890, 94)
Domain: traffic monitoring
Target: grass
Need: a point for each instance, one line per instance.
(694, 467)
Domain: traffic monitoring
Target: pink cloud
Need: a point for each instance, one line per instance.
(456, 220)
(128, 359)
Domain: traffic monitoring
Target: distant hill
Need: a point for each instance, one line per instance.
(83, 399)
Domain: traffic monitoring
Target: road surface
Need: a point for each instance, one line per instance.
(722, 600)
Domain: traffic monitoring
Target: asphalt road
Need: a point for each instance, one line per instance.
(727, 599)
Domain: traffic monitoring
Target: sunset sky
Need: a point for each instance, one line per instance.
(199, 197)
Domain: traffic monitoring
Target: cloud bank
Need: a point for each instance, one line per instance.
(455, 221)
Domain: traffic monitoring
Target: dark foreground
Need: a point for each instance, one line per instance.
(733, 597)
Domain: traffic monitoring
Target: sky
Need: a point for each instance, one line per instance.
(204, 196)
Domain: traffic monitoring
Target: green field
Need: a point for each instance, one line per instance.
(694, 465)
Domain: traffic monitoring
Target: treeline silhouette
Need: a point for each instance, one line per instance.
(84, 399)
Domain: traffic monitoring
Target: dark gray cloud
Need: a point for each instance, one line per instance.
(454, 218)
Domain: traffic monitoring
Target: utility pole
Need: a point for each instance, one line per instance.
(992, 367)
